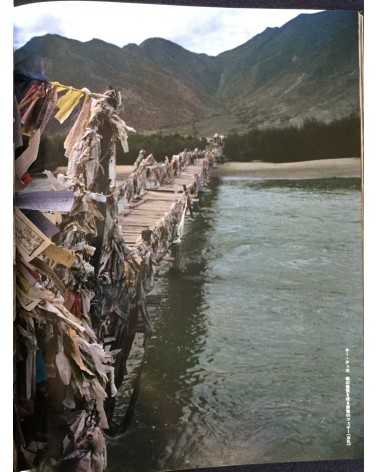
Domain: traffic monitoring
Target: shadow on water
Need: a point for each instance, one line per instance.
(331, 185)
(170, 369)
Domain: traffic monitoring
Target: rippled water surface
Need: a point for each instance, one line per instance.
(247, 360)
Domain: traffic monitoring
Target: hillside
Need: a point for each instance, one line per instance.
(308, 68)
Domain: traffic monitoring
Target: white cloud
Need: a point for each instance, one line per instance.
(200, 29)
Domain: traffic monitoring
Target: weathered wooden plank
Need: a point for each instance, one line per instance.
(154, 205)
(137, 225)
(142, 217)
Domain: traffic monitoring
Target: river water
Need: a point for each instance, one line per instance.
(247, 360)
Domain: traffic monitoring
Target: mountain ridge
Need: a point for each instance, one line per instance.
(308, 68)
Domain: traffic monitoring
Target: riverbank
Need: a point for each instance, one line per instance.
(319, 169)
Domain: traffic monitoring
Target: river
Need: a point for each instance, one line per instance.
(247, 360)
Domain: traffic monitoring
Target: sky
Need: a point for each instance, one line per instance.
(199, 29)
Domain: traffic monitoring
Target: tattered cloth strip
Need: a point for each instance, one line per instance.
(30, 99)
(79, 372)
(122, 129)
(26, 159)
(85, 162)
(84, 159)
(51, 99)
(78, 128)
(67, 103)
(72, 358)
(36, 107)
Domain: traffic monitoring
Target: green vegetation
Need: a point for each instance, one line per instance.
(314, 140)
(159, 145)
(50, 154)
(51, 151)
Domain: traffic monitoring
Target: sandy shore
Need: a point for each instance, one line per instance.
(320, 169)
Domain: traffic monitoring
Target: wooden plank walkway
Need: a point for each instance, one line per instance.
(137, 217)
(155, 204)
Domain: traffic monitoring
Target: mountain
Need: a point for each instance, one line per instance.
(307, 68)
